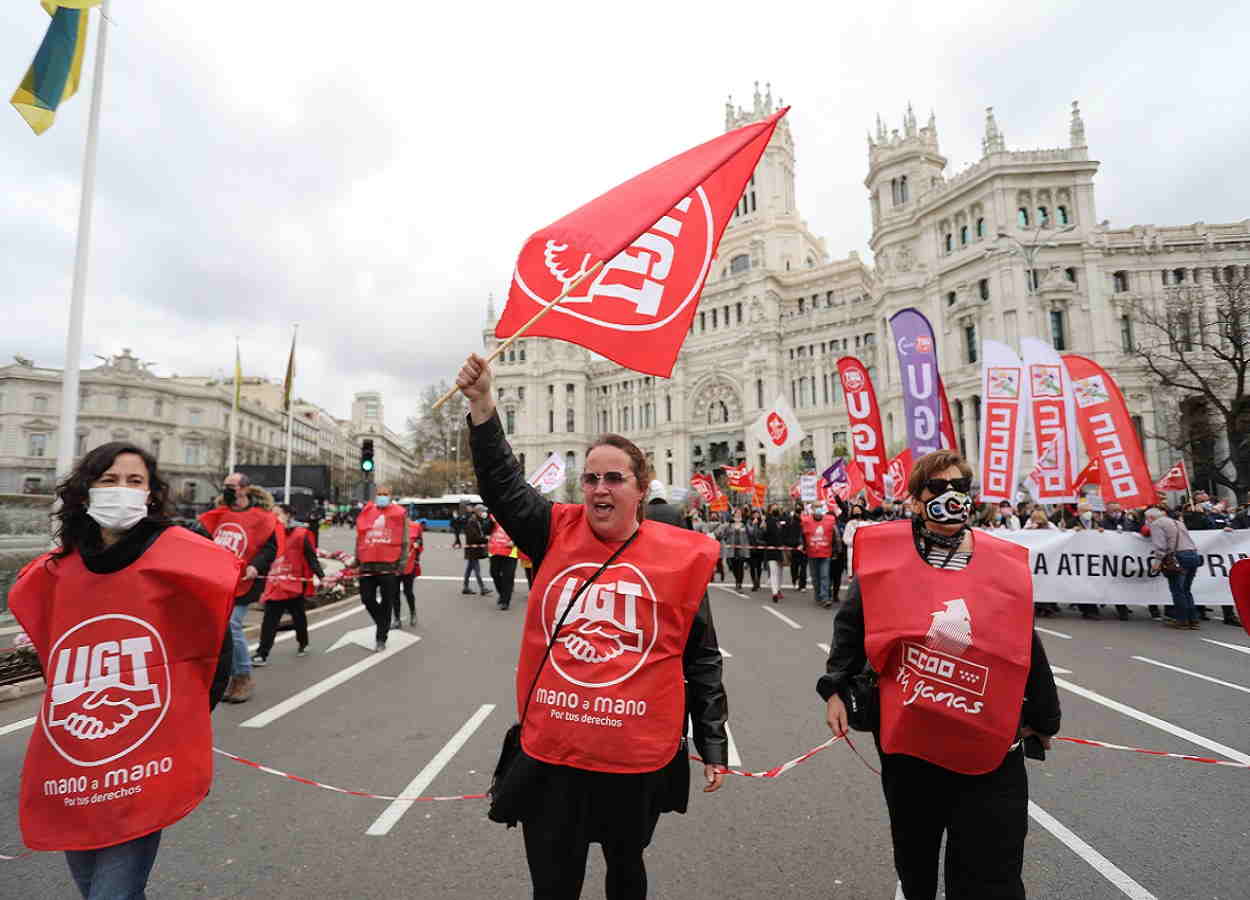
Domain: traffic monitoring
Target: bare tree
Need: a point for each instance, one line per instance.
(440, 442)
(1194, 343)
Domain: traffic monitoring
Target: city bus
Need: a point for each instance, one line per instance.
(436, 512)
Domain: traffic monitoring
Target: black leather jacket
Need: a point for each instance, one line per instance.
(526, 515)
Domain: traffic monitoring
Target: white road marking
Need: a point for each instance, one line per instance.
(399, 640)
(732, 754)
(1058, 634)
(789, 621)
(321, 623)
(17, 726)
(825, 647)
(1103, 866)
(1237, 647)
(725, 653)
(392, 814)
(1163, 665)
(729, 590)
(1060, 671)
(1140, 716)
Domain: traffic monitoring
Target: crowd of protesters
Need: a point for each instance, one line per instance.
(763, 544)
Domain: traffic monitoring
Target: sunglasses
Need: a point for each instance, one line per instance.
(611, 479)
(939, 486)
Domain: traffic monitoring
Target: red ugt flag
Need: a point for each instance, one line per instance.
(1177, 479)
(656, 235)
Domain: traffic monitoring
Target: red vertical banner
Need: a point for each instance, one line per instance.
(1108, 434)
(1004, 411)
(948, 426)
(867, 438)
(704, 486)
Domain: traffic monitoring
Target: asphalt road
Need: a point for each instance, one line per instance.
(1107, 824)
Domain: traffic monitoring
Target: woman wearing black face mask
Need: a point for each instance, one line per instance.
(945, 619)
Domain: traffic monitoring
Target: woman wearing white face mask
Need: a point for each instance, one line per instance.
(129, 618)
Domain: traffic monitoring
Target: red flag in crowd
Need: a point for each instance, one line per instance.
(1108, 434)
(948, 425)
(656, 236)
(1177, 479)
(740, 477)
(899, 469)
(854, 479)
(705, 486)
(761, 494)
(1087, 475)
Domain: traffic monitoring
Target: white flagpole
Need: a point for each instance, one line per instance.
(67, 430)
(290, 420)
(234, 409)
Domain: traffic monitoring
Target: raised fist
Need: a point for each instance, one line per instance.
(474, 378)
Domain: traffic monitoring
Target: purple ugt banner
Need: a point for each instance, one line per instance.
(917, 362)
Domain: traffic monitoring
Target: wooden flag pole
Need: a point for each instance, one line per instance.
(520, 332)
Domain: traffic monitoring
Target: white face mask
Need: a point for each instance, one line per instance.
(117, 508)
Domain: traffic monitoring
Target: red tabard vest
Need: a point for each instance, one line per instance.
(123, 743)
(499, 543)
(243, 533)
(818, 536)
(612, 696)
(290, 575)
(380, 533)
(952, 649)
(415, 541)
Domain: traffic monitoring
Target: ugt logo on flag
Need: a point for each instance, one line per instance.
(655, 237)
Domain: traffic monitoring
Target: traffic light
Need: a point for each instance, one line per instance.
(366, 456)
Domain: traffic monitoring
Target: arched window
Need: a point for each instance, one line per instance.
(801, 306)
(948, 242)
(980, 228)
(759, 392)
(570, 421)
(963, 234)
(717, 413)
(1022, 217)
(1062, 211)
(1043, 216)
(668, 408)
(902, 188)
(1120, 282)
(509, 421)
(950, 298)
(740, 264)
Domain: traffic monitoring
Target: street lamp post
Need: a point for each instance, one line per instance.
(1029, 251)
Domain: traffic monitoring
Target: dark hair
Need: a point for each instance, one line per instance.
(74, 527)
(637, 460)
(930, 464)
(285, 507)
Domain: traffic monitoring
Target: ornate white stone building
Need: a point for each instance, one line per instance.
(777, 312)
(184, 421)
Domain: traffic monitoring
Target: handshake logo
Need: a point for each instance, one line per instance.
(110, 688)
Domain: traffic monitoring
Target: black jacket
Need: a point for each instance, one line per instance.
(663, 511)
(847, 658)
(526, 515)
(774, 537)
(475, 536)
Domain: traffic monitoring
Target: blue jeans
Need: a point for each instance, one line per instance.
(242, 664)
(819, 567)
(1180, 584)
(119, 872)
(473, 566)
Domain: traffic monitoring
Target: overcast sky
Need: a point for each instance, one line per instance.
(370, 171)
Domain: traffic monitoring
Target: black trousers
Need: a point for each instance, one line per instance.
(985, 818)
(380, 610)
(557, 863)
(837, 564)
(757, 569)
(405, 582)
(273, 615)
(503, 574)
(798, 568)
(737, 564)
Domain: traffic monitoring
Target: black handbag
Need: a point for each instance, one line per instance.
(516, 775)
(862, 700)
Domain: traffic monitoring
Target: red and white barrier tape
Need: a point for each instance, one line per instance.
(774, 772)
(1185, 756)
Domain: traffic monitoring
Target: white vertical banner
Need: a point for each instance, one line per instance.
(1004, 415)
(778, 429)
(1053, 412)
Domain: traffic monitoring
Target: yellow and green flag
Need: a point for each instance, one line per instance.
(53, 76)
(289, 381)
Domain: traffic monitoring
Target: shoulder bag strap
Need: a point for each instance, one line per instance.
(560, 624)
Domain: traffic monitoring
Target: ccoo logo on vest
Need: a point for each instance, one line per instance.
(233, 537)
(110, 689)
(609, 633)
(642, 288)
